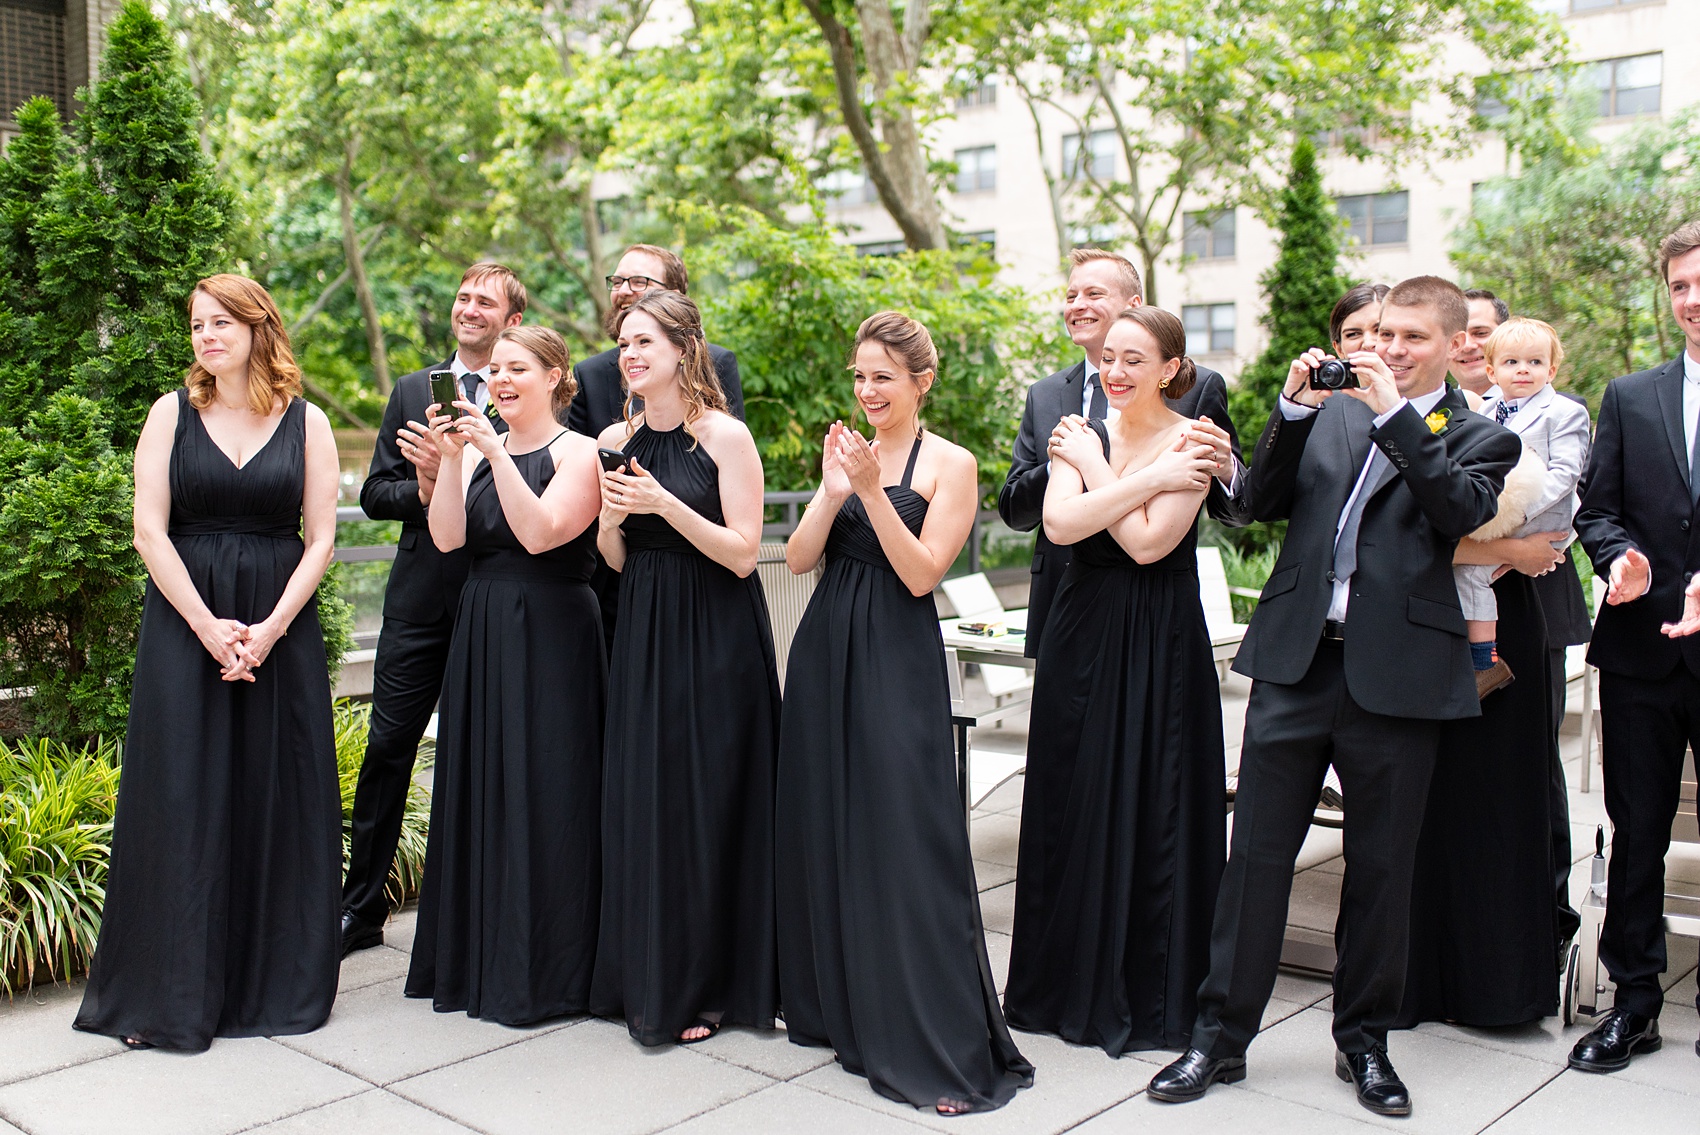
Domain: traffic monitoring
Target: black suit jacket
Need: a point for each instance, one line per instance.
(1406, 650)
(424, 582)
(1635, 495)
(601, 397)
(1021, 502)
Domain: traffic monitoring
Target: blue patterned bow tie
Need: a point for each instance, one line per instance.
(1503, 411)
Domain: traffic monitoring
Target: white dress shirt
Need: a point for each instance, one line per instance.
(482, 399)
(1294, 411)
(1690, 397)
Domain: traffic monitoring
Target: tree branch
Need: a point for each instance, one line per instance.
(331, 288)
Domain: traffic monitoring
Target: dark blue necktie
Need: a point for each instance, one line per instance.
(1100, 407)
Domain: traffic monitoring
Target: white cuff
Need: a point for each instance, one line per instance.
(1295, 411)
(1381, 419)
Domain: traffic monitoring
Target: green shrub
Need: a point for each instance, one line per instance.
(56, 806)
(1248, 569)
(408, 870)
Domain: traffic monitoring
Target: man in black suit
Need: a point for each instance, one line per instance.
(1100, 285)
(601, 398)
(1357, 653)
(421, 598)
(1558, 589)
(1640, 524)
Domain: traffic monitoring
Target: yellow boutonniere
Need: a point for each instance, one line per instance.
(1438, 421)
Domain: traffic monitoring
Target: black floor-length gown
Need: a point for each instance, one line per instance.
(881, 951)
(1484, 931)
(687, 822)
(1123, 829)
(221, 914)
(509, 904)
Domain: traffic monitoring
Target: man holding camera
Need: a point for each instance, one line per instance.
(1356, 652)
(421, 598)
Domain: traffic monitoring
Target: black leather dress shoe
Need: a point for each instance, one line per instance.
(1378, 1085)
(1187, 1078)
(358, 934)
(1614, 1040)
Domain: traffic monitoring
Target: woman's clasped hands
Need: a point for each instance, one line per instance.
(239, 648)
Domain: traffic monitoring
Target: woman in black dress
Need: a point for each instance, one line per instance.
(508, 909)
(882, 955)
(221, 906)
(687, 937)
(1122, 821)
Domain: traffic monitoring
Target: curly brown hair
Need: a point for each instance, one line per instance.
(681, 322)
(272, 373)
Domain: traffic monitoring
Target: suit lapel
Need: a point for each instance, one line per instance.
(1669, 387)
(1070, 393)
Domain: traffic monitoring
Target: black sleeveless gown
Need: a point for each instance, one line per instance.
(508, 908)
(881, 951)
(687, 820)
(1123, 829)
(222, 903)
(1484, 928)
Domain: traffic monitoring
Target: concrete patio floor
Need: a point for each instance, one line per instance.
(387, 1064)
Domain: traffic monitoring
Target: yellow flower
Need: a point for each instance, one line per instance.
(1438, 421)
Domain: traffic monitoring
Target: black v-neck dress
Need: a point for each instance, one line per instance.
(881, 951)
(221, 913)
(509, 906)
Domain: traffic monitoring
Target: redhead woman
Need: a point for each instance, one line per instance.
(508, 910)
(882, 955)
(221, 907)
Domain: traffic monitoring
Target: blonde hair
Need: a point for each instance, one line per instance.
(272, 373)
(1521, 330)
(1126, 274)
(681, 323)
(550, 350)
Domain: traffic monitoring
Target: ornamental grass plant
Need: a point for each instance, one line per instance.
(352, 721)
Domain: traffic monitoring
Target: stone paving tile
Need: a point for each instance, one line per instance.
(1675, 1067)
(997, 909)
(379, 1035)
(1315, 903)
(1454, 1087)
(988, 875)
(398, 931)
(376, 1111)
(1224, 1108)
(997, 952)
(1072, 1083)
(8, 1129)
(590, 1074)
(765, 1051)
(786, 1107)
(994, 838)
(235, 1085)
(36, 1034)
(1007, 796)
(369, 967)
(1577, 1102)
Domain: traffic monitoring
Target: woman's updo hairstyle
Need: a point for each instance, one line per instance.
(550, 350)
(681, 323)
(1170, 335)
(907, 341)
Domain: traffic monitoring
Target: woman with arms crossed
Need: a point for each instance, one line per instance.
(221, 907)
(1123, 835)
(882, 955)
(507, 913)
(687, 937)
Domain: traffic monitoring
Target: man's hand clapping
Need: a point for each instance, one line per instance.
(1631, 575)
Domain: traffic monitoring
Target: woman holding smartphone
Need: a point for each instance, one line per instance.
(882, 955)
(687, 940)
(508, 910)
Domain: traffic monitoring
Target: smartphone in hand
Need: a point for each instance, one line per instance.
(612, 460)
(444, 391)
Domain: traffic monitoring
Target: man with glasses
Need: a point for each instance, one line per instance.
(601, 397)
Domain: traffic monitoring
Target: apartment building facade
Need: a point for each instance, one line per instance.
(49, 47)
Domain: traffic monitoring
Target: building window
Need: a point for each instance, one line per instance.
(1376, 218)
(881, 248)
(847, 187)
(977, 169)
(32, 56)
(983, 93)
(1209, 327)
(1210, 236)
(1098, 160)
(1629, 85)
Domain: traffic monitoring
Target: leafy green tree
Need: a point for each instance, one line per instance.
(1299, 291)
(1202, 98)
(28, 169)
(127, 230)
(789, 302)
(1574, 237)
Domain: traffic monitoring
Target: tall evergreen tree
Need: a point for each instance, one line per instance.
(1299, 291)
(31, 165)
(127, 231)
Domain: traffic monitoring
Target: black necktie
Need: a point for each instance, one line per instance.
(469, 382)
(1100, 407)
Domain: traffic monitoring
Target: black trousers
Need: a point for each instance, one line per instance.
(1646, 727)
(1292, 734)
(407, 676)
(1559, 807)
